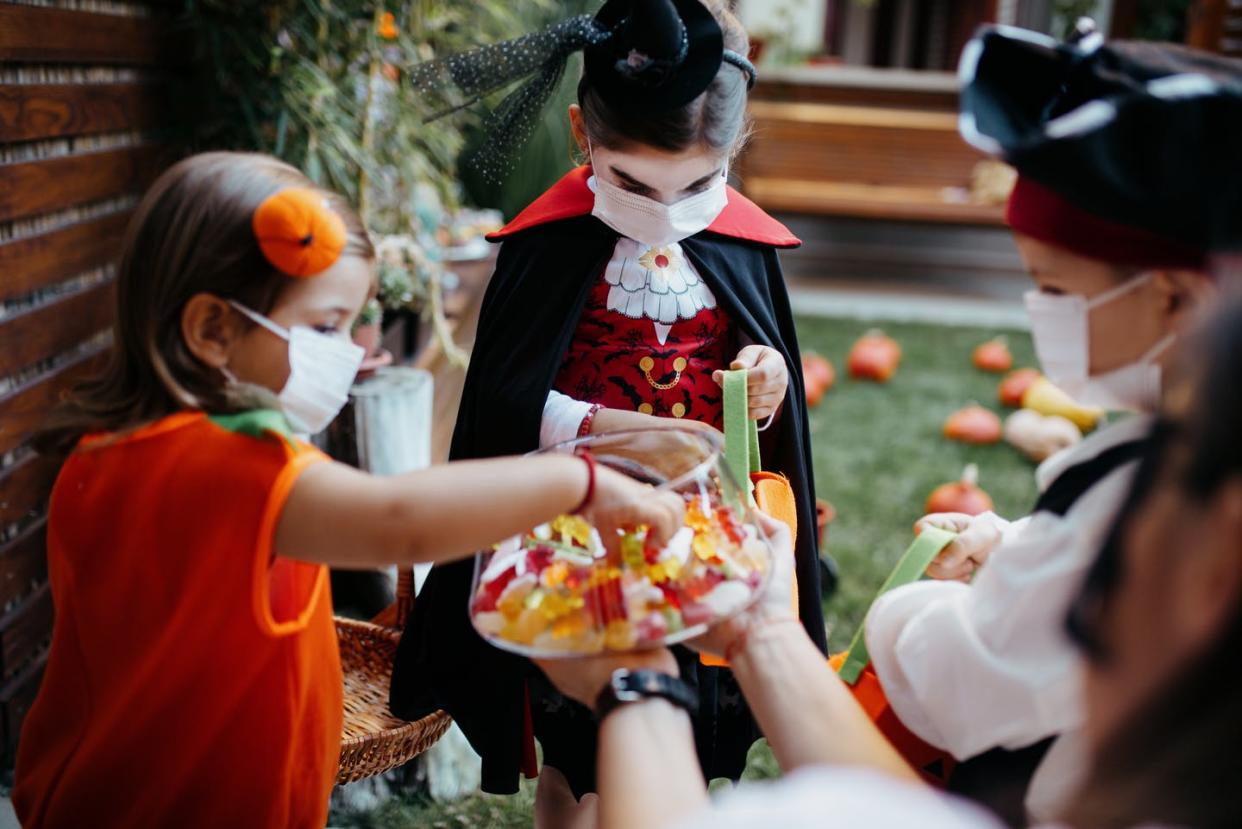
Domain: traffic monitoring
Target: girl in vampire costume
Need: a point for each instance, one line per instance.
(618, 297)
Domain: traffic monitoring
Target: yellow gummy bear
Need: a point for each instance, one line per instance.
(620, 636)
(555, 574)
(572, 528)
(704, 546)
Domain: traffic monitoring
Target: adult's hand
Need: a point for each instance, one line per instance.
(772, 607)
(583, 678)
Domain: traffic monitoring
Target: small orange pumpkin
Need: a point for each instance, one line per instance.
(962, 496)
(874, 356)
(298, 231)
(993, 356)
(818, 376)
(1014, 385)
(973, 424)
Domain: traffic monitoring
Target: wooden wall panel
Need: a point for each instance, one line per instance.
(39, 34)
(24, 409)
(23, 560)
(34, 262)
(32, 187)
(33, 111)
(23, 631)
(83, 132)
(47, 330)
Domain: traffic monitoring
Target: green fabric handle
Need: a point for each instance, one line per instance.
(927, 545)
(740, 432)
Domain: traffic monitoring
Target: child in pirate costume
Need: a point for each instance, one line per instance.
(1128, 188)
(620, 296)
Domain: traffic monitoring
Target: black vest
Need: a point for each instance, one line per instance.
(999, 778)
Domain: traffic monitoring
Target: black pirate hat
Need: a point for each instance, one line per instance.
(1129, 152)
(640, 55)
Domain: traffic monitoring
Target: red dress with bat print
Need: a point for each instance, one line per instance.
(649, 338)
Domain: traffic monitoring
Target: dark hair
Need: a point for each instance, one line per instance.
(716, 119)
(1173, 762)
(192, 233)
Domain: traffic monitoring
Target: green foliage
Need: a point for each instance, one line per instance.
(319, 83)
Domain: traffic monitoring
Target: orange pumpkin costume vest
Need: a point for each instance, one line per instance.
(194, 679)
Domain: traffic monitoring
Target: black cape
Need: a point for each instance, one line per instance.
(529, 314)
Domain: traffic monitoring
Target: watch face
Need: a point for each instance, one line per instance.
(624, 686)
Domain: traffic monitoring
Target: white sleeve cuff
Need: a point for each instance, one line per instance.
(562, 417)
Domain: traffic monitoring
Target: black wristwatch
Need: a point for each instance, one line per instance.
(632, 686)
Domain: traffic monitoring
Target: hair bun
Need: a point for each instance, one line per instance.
(298, 232)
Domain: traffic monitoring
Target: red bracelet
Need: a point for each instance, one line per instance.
(590, 490)
(584, 428)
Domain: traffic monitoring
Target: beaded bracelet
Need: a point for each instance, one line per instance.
(584, 428)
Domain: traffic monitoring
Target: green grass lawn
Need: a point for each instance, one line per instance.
(878, 454)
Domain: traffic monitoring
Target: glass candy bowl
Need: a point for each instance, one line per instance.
(557, 590)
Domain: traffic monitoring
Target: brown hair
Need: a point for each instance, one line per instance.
(1174, 761)
(716, 119)
(190, 234)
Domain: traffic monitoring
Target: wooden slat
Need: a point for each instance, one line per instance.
(31, 187)
(871, 154)
(49, 35)
(23, 560)
(24, 631)
(16, 697)
(29, 112)
(807, 113)
(25, 409)
(34, 262)
(25, 487)
(47, 330)
(869, 201)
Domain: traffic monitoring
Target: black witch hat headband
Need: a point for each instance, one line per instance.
(644, 55)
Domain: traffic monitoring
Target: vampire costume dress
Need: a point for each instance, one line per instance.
(577, 312)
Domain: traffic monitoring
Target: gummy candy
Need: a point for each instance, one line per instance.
(572, 597)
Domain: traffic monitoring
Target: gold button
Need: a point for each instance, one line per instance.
(679, 409)
(646, 364)
(645, 408)
(679, 365)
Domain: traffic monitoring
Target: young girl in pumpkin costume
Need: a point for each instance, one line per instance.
(619, 298)
(194, 677)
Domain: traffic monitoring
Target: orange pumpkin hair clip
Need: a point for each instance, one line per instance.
(298, 232)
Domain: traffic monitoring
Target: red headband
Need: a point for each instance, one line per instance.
(1039, 212)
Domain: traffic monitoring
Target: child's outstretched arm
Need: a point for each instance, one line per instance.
(339, 516)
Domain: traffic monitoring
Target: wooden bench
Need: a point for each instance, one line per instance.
(79, 111)
(882, 150)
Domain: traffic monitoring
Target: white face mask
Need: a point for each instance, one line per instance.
(1059, 325)
(322, 368)
(654, 223)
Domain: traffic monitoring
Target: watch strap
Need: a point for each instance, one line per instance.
(633, 686)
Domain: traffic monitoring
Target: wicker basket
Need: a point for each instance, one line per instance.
(375, 741)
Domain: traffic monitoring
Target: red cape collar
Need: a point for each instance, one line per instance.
(570, 197)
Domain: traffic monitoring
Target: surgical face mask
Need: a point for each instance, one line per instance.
(654, 223)
(1059, 325)
(321, 371)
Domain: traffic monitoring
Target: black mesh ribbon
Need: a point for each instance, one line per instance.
(459, 81)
